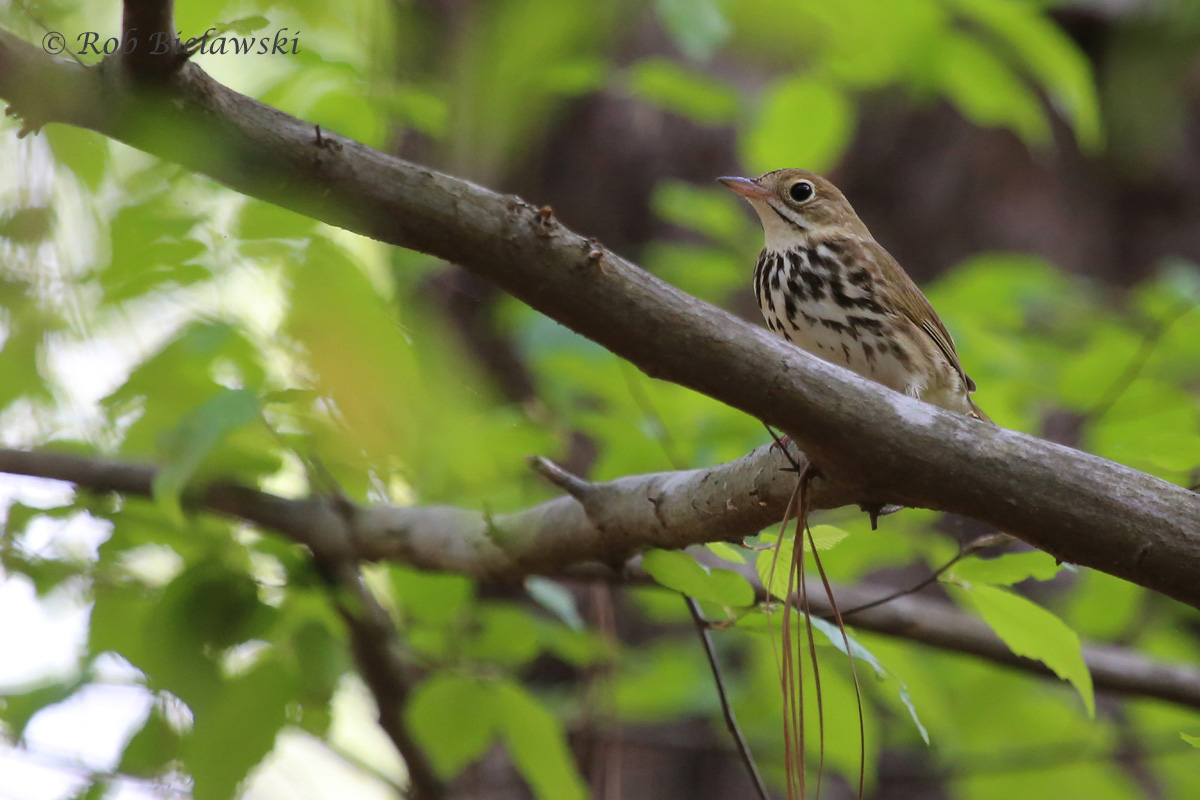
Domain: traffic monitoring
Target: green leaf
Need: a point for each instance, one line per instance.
(19, 708)
(676, 570)
(151, 247)
(434, 598)
(419, 109)
(861, 653)
(713, 212)
(212, 606)
(261, 220)
(986, 90)
(803, 123)
(679, 571)
(1194, 741)
(1033, 632)
(185, 448)
(206, 609)
(825, 537)
(773, 566)
(359, 355)
(1005, 570)
(23, 351)
(538, 745)
(454, 718)
(688, 94)
(237, 731)
(84, 152)
(698, 27)
(118, 616)
(728, 552)
(324, 660)
(555, 598)
(1049, 54)
(152, 748)
(507, 635)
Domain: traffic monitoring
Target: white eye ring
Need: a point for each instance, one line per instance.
(801, 191)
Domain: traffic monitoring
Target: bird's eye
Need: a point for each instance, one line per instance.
(801, 191)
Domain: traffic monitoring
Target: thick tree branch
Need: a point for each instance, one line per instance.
(1079, 507)
(670, 509)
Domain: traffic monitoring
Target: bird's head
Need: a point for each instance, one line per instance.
(795, 204)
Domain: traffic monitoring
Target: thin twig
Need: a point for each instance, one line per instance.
(963, 552)
(910, 590)
(731, 722)
(642, 400)
(1137, 363)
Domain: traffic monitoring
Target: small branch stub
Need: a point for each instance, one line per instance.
(571, 484)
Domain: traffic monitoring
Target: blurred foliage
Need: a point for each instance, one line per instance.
(147, 313)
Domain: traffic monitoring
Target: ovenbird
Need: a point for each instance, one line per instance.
(826, 285)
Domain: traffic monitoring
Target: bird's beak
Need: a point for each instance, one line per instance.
(746, 187)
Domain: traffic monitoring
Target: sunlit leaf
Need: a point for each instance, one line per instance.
(1033, 632)
(987, 90)
(239, 729)
(691, 95)
(538, 745)
(803, 123)
(1047, 52)
(504, 634)
(1007, 569)
(437, 598)
(185, 447)
(728, 552)
(711, 211)
(679, 571)
(84, 152)
(454, 718)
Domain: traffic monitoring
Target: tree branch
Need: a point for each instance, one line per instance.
(670, 509)
(146, 24)
(374, 643)
(1114, 669)
(606, 522)
(1078, 507)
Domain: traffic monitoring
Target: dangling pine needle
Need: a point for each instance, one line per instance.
(837, 615)
(812, 645)
(793, 744)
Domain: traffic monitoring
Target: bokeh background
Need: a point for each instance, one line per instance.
(1035, 166)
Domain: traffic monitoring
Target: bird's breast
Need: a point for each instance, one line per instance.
(820, 299)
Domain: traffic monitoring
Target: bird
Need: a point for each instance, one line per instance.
(824, 284)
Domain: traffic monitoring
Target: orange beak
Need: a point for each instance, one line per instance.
(746, 187)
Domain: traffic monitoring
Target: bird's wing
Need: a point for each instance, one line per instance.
(912, 303)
